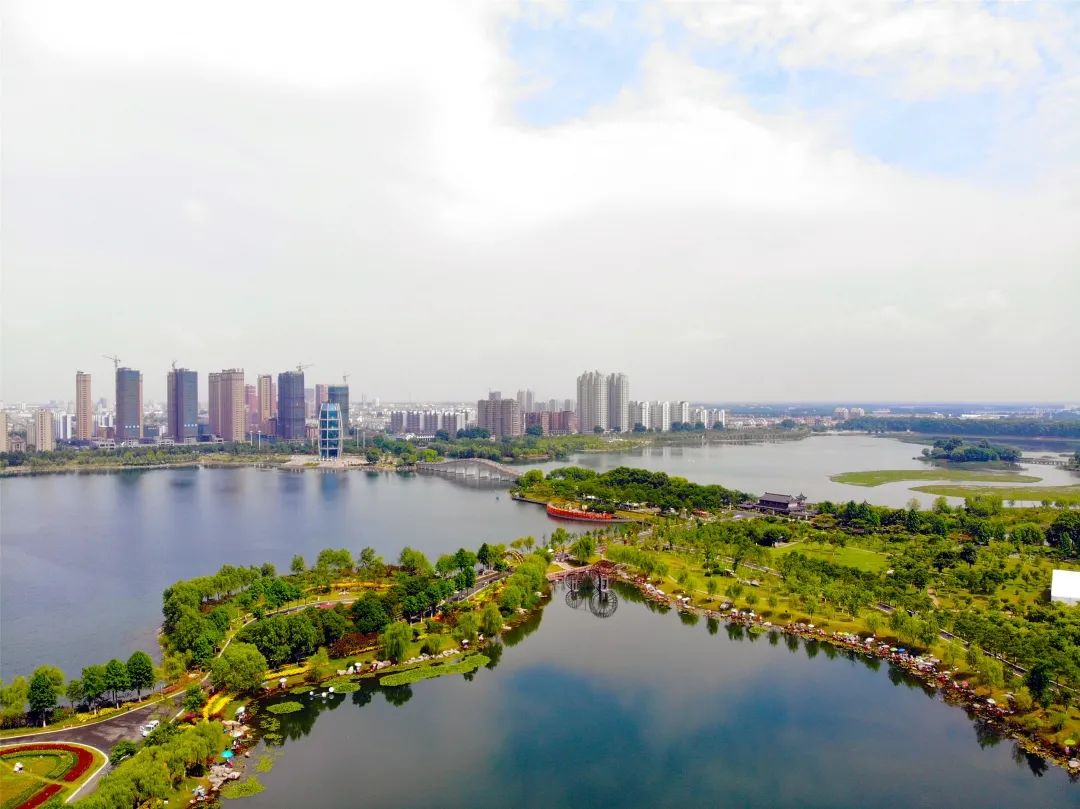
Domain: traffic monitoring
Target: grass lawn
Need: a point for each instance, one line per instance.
(1067, 494)
(879, 476)
(858, 558)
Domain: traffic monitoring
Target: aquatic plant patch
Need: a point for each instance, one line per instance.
(463, 666)
(242, 789)
(288, 706)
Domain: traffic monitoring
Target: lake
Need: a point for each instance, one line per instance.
(84, 557)
(645, 709)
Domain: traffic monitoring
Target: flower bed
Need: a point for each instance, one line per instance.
(72, 765)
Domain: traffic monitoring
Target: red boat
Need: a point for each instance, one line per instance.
(577, 514)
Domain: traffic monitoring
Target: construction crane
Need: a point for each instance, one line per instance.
(300, 367)
(345, 379)
(115, 360)
(174, 365)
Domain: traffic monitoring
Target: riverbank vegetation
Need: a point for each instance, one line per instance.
(142, 457)
(1061, 496)
(1011, 427)
(877, 477)
(624, 487)
(955, 450)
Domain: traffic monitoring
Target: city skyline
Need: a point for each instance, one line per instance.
(714, 208)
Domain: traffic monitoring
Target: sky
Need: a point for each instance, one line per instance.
(726, 201)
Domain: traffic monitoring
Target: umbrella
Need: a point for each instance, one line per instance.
(227, 754)
(1070, 742)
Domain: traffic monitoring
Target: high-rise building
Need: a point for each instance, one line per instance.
(660, 416)
(640, 413)
(291, 406)
(592, 396)
(44, 439)
(5, 444)
(330, 431)
(501, 417)
(310, 408)
(251, 406)
(84, 408)
(182, 406)
(526, 401)
(228, 409)
(680, 411)
(618, 399)
(129, 405)
(397, 421)
(63, 426)
(339, 395)
(321, 395)
(265, 385)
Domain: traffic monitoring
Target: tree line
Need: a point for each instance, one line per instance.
(36, 699)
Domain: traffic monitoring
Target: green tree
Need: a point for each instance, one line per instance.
(1039, 679)
(74, 692)
(121, 750)
(394, 641)
(194, 698)
(140, 672)
(319, 666)
(510, 599)
(13, 696)
(241, 668)
(491, 619)
(93, 681)
(116, 680)
(414, 561)
(297, 565)
(583, 548)
(369, 614)
(468, 624)
(42, 695)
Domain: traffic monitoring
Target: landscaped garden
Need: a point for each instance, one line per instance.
(32, 774)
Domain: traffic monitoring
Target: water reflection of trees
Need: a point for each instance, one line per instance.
(518, 633)
(1037, 764)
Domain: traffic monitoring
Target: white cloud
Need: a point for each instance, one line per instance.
(364, 198)
(926, 49)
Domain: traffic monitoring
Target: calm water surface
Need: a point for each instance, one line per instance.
(641, 709)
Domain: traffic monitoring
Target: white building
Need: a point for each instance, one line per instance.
(4, 445)
(1065, 586)
(660, 417)
(63, 426)
(618, 396)
(592, 402)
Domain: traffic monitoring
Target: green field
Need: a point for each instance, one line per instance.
(1056, 494)
(858, 558)
(879, 476)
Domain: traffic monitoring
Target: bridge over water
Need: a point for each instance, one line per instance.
(480, 468)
